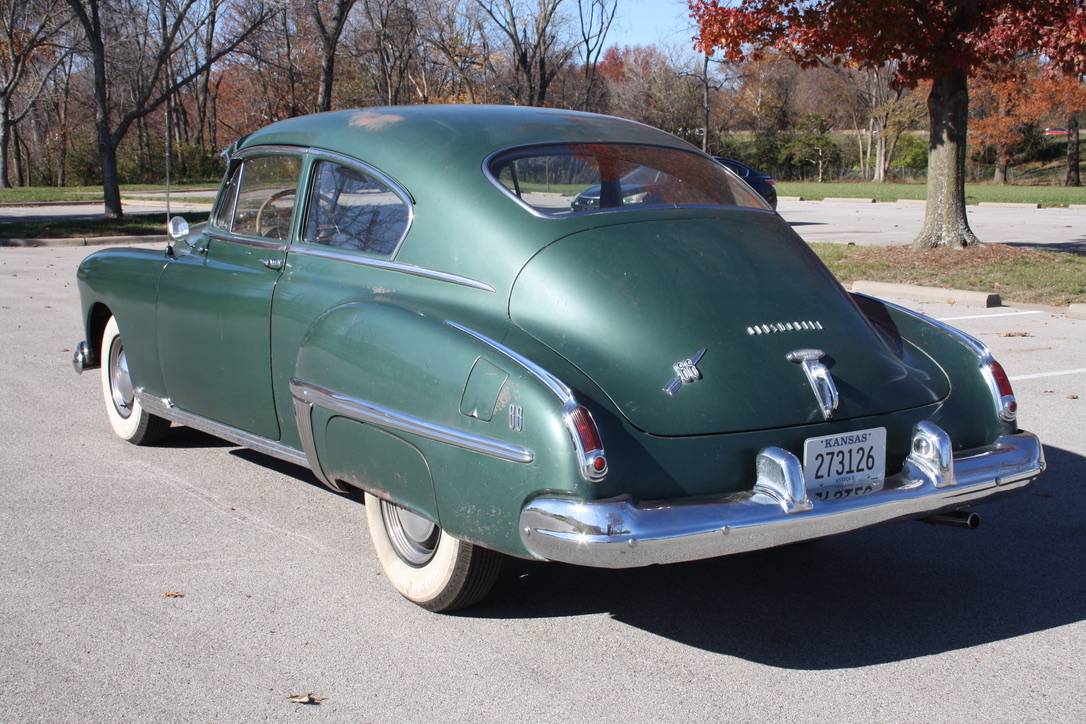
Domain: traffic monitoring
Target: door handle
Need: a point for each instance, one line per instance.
(272, 263)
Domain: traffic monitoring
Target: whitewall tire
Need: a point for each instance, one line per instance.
(425, 564)
(126, 416)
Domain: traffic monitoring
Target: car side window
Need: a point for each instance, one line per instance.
(224, 212)
(266, 194)
(351, 209)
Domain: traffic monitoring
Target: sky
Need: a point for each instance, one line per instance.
(642, 22)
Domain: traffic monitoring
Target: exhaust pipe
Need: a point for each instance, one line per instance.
(957, 518)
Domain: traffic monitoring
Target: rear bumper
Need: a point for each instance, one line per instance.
(622, 533)
(83, 358)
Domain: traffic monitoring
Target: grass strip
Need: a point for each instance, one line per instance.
(1016, 274)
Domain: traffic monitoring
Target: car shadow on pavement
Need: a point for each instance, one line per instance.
(1067, 247)
(894, 592)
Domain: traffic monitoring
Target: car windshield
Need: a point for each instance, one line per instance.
(575, 178)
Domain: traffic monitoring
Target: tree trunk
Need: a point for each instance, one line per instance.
(328, 71)
(16, 156)
(1072, 152)
(879, 171)
(945, 221)
(5, 143)
(705, 104)
(1003, 161)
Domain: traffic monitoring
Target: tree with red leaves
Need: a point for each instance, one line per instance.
(944, 41)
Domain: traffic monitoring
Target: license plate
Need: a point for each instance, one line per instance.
(847, 465)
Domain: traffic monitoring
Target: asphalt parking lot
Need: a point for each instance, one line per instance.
(282, 595)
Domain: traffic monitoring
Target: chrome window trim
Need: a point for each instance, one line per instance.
(216, 232)
(219, 198)
(319, 154)
(585, 459)
(162, 407)
(599, 212)
(385, 417)
(246, 240)
(395, 266)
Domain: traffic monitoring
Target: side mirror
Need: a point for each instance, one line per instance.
(177, 228)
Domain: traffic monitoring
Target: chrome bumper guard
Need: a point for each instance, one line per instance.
(622, 533)
(82, 359)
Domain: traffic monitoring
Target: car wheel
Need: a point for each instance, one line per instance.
(424, 563)
(126, 416)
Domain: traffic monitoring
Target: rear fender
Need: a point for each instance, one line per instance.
(378, 392)
(968, 415)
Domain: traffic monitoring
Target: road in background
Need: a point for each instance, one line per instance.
(282, 593)
(883, 224)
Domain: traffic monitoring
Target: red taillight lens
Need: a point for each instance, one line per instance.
(585, 429)
(771, 182)
(1006, 405)
(1003, 383)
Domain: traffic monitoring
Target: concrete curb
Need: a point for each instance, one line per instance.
(1077, 310)
(1008, 205)
(85, 241)
(1077, 206)
(31, 204)
(911, 201)
(790, 198)
(849, 199)
(928, 294)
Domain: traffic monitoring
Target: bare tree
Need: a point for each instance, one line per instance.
(181, 22)
(330, 33)
(29, 34)
(537, 50)
(595, 18)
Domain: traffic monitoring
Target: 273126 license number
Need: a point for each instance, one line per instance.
(845, 465)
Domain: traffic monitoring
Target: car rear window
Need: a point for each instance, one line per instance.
(577, 178)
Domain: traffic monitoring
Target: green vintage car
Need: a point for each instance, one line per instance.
(408, 302)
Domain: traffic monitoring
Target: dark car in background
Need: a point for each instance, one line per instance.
(759, 181)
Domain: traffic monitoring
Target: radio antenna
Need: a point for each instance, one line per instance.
(169, 154)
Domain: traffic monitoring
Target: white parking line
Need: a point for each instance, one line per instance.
(988, 316)
(1035, 375)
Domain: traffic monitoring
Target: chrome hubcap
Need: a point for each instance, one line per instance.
(120, 383)
(413, 537)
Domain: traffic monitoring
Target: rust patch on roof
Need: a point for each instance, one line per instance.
(373, 120)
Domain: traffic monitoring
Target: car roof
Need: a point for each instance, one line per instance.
(436, 152)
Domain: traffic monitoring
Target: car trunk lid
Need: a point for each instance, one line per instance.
(626, 302)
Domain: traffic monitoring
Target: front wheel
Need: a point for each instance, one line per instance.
(424, 563)
(126, 416)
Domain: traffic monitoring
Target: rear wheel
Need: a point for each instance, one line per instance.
(126, 416)
(424, 563)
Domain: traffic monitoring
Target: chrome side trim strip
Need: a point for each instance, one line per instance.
(303, 418)
(418, 271)
(585, 458)
(365, 411)
(624, 533)
(164, 408)
(555, 385)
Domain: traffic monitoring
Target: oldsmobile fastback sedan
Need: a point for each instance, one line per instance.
(413, 302)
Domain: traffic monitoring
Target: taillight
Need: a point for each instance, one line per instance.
(1006, 405)
(586, 437)
(771, 182)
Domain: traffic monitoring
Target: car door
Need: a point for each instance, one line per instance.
(214, 298)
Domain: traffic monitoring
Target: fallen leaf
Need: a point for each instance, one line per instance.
(1048, 392)
(307, 698)
(1072, 397)
(1015, 334)
(173, 594)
